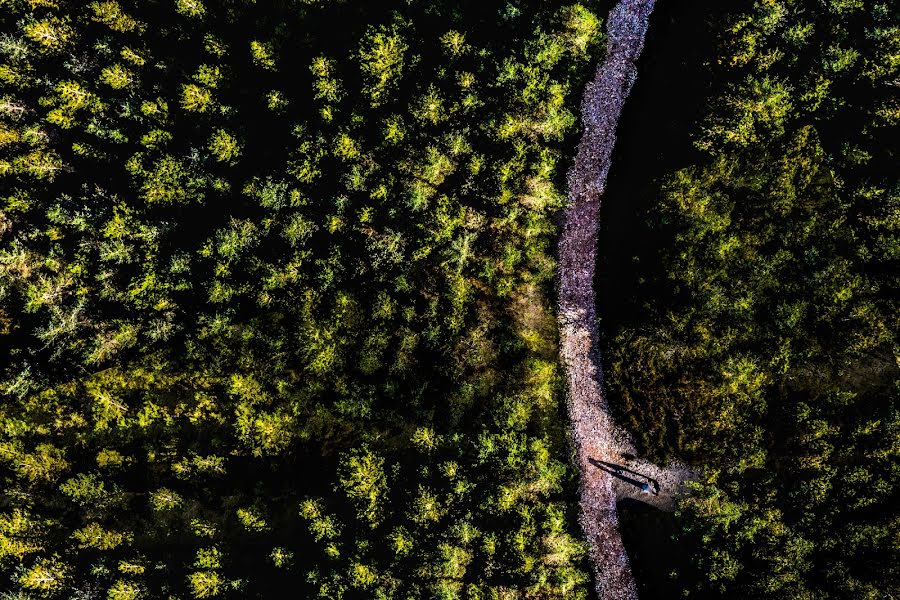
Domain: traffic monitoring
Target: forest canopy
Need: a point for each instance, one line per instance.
(277, 298)
(761, 339)
(275, 287)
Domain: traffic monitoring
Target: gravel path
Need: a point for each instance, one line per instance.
(604, 453)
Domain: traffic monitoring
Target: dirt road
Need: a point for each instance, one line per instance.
(600, 446)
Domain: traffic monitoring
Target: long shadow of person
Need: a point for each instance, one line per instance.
(639, 480)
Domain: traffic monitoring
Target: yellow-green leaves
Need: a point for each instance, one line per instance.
(426, 507)
(133, 56)
(402, 541)
(165, 499)
(195, 98)
(37, 163)
(51, 34)
(116, 76)
(205, 584)
(582, 29)
(203, 529)
(93, 535)
(70, 100)
(252, 519)
(85, 489)
(110, 13)
(198, 97)
(214, 45)
(123, 589)
(156, 109)
(425, 439)
(844, 7)
(454, 43)
(224, 146)
(168, 181)
(190, 8)
(345, 147)
(430, 107)
(362, 576)
(263, 54)
(326, 85)
(755, 106)
(265, 433)
(382, 55)
(156, 138)
(208, 558)
(43, 465)
(20, 535)
(46, 577)
(126, 267)
(195, 466)
(394, 129)
(281, 557)
(276, 101)
(839, 59)
(110, 459)
(363, 480)
(322, 526)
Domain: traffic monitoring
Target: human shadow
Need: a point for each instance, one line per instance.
(644, 482)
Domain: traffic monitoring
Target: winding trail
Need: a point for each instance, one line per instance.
(604, 453)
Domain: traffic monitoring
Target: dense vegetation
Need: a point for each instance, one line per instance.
(274, 298)
(761, 341)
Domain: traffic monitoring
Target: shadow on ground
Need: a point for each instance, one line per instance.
(658, 559)
(654, 140)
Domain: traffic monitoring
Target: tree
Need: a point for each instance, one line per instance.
(224, 146)
(47, 576)
(382, 56)
(363, 480)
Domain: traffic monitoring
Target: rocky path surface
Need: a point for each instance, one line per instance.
(604, 453)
